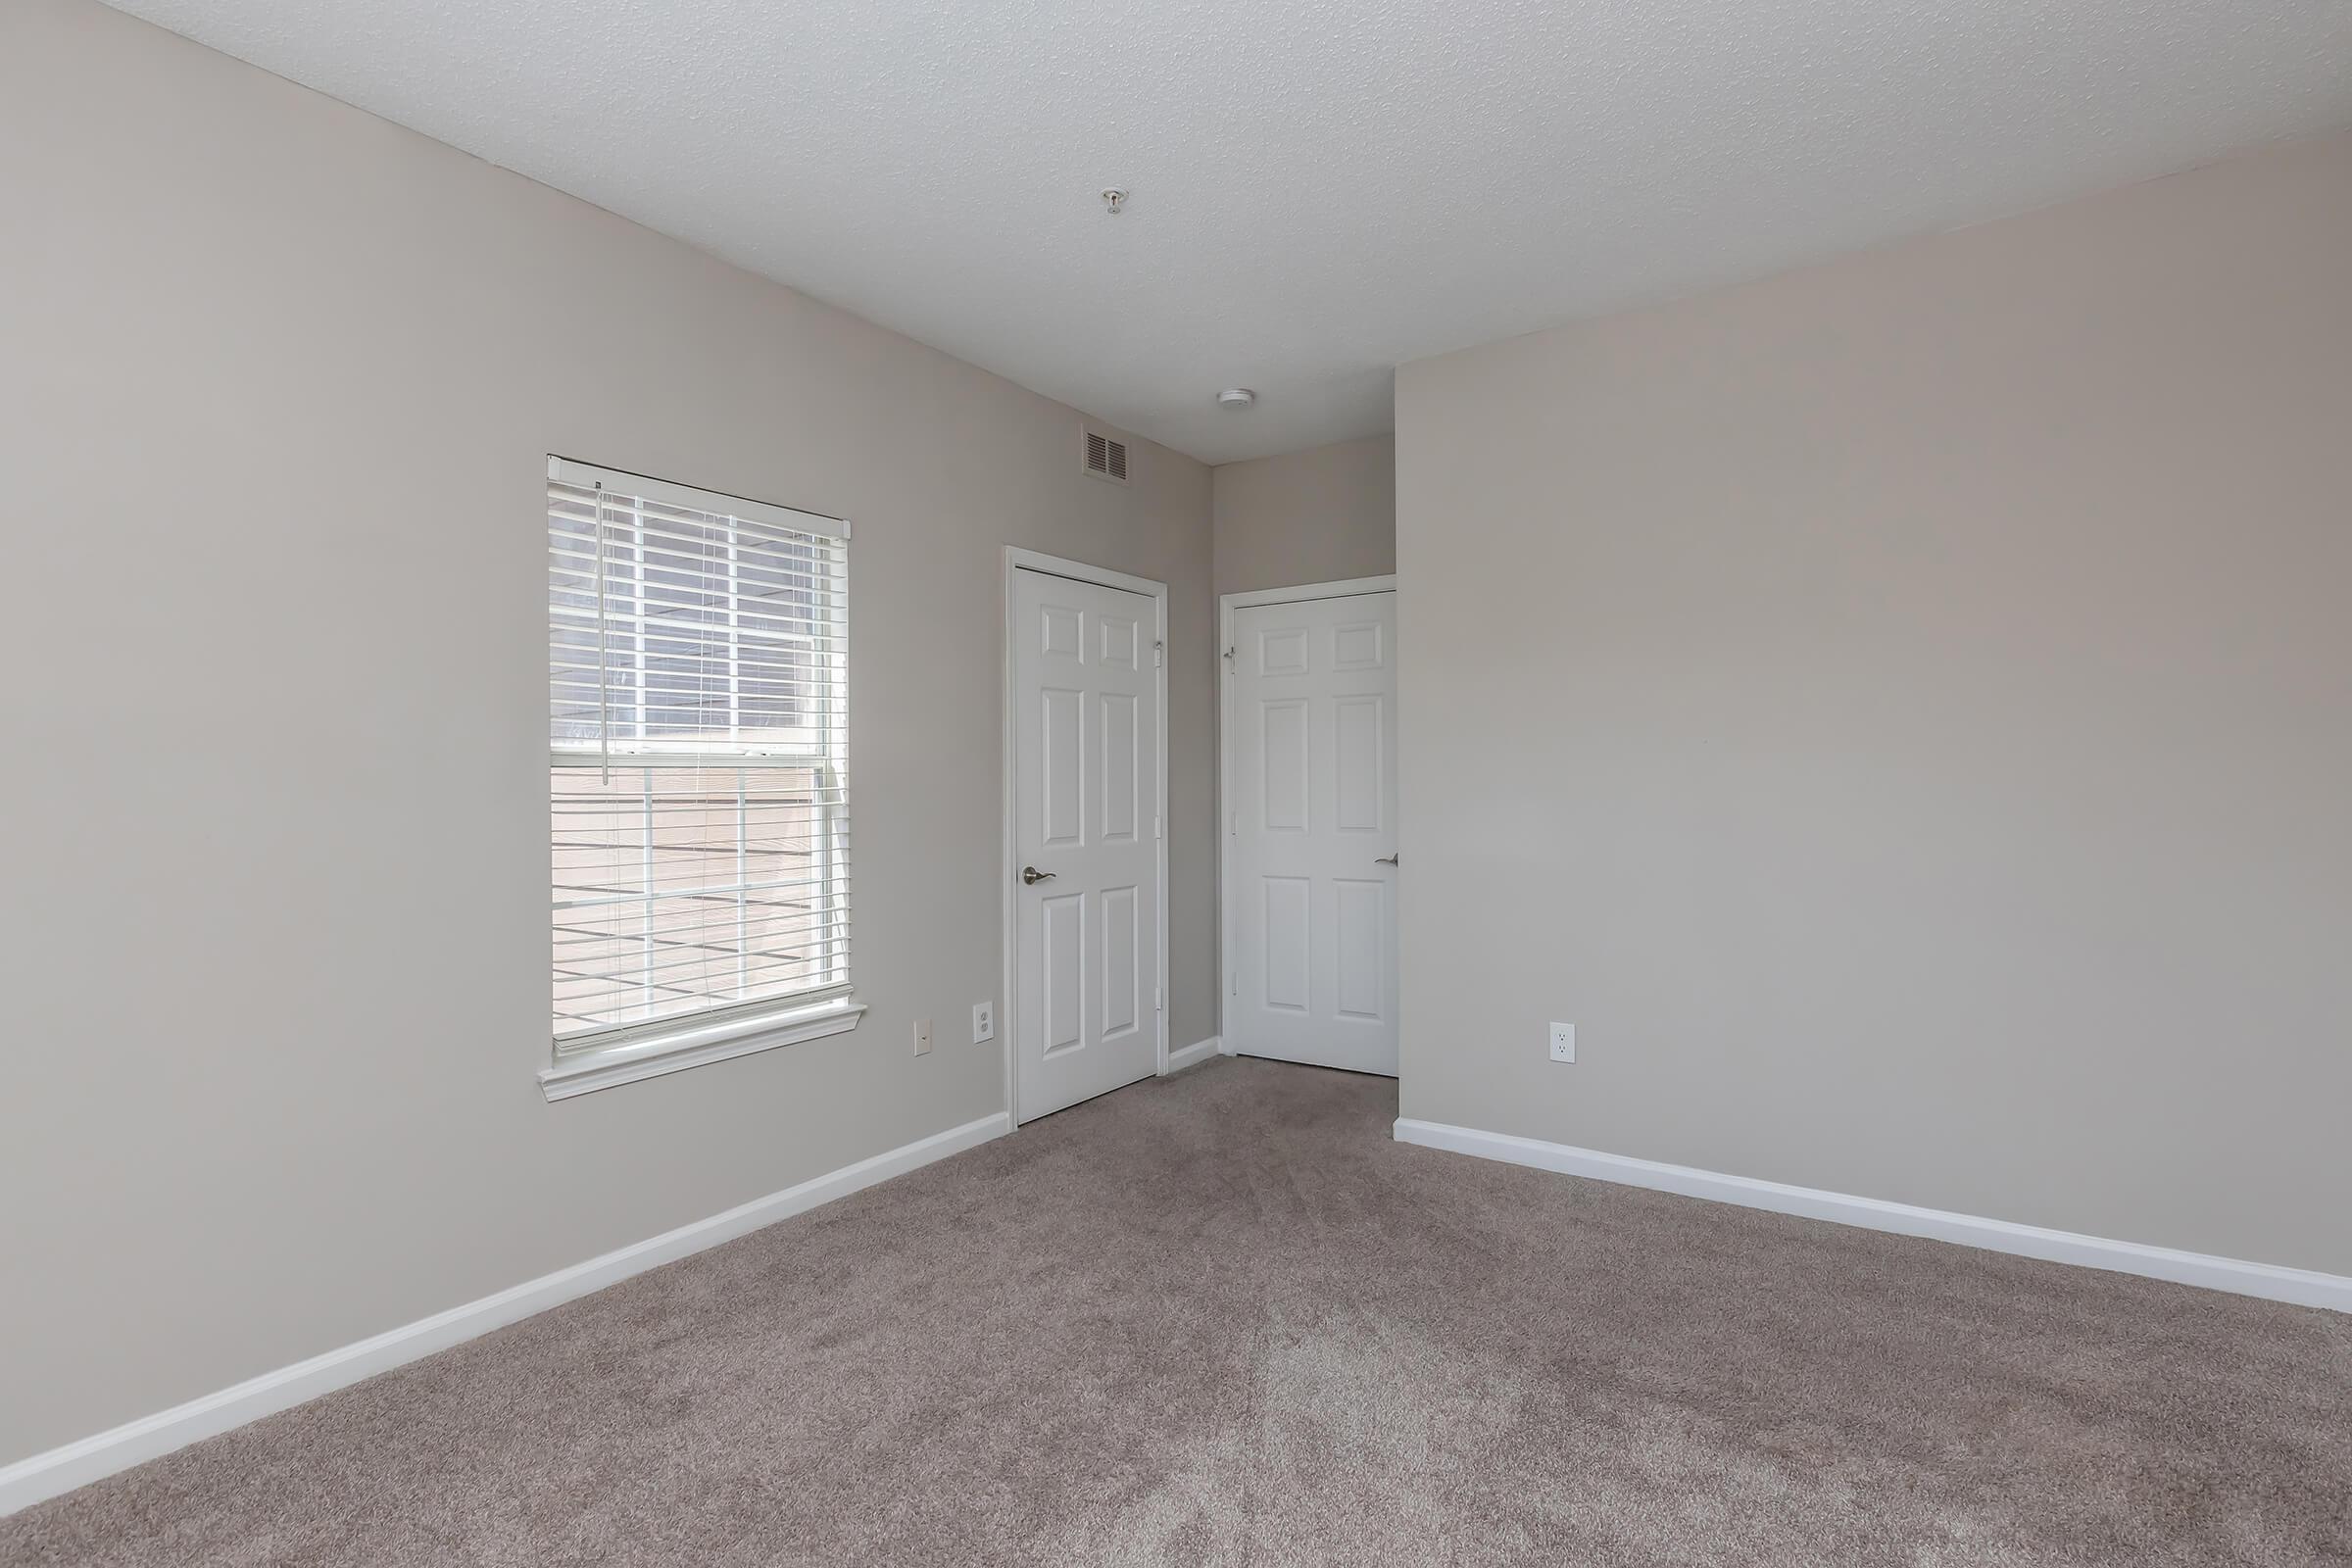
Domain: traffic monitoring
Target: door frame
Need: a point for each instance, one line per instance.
(1227, 604)
(1009, 912)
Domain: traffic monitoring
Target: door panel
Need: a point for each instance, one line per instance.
(1061, 981)
(1062, 793)
(1122, 965)
(1313, 818)
(1086, 818)
(1289, 939)
(1360, 986)
(1359, 772)
(1283, 728)
(1122, 804)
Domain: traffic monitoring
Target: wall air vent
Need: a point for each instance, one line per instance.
(1105, 459)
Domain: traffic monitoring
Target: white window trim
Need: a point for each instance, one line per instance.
(580, 1072)
(587, 476)
(695, 1040)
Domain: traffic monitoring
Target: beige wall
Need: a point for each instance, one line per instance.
(1324, 515)
(1901, 713)
(279, 383)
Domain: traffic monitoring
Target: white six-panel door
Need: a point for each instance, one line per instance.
(1086, 852)
(1312, 730)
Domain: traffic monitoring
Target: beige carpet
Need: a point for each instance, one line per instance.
(1224, 1319)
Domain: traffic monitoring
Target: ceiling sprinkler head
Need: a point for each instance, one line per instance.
(1113, 199)
(1236, 397)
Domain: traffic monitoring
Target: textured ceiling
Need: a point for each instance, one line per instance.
(1322, 188)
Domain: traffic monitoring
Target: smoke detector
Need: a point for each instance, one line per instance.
(1236, 397)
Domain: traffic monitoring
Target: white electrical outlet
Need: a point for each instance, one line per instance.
(1563, 1042)
(922, 1037)
(984, 1021)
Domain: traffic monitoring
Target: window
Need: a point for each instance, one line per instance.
(697, 732)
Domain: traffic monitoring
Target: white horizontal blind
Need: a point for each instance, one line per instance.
(698, 735)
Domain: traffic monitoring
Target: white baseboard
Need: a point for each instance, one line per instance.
(2301, 1286)
(92, 1459)
(1199, 1052)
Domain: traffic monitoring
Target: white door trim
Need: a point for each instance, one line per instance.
(1227, 604)
(1009, 914)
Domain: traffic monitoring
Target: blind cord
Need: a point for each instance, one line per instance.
(603, 701)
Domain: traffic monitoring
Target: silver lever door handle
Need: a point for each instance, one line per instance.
(1032, 875)
(1386, 859)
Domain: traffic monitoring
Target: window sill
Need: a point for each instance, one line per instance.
(590, 1070)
